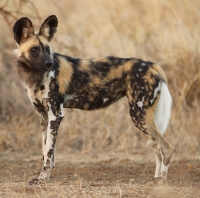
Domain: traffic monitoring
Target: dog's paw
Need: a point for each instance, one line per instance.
(37, 182)
(157, 180)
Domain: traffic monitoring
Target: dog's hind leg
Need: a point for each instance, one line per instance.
(158, 161)
(162, 148)
(150, 108)
(158, 158)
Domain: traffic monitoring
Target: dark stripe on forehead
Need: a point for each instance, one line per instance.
(42, 46)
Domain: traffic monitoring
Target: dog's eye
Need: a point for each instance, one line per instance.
(34, 49)
(47, 50)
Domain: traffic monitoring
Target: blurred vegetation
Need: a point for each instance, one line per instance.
(163, 31)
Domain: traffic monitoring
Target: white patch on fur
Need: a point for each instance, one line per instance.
(164, 169)
(49, 141)
(16, 52)
(140, 103)
(137, 75)
(62, 114)
(143, 64)
(46, 31)
(70, 97)
(162, 111)
(25, 32)
(156, 92)
(46, 82)
(52, 74)
(158, 166)
(105, 100)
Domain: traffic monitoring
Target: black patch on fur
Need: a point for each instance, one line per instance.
(42, 87)
(54, 97)
(39, 107)
(50, 153)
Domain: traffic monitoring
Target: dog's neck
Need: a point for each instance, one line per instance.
(29, 76)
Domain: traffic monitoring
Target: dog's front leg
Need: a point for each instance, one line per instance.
(49, 139)
(52, 131)
(44, 125)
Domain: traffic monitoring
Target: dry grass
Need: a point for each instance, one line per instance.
(74, 189)
(80, 188)
(166, 32)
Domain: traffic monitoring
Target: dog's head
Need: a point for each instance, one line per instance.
(34, 50)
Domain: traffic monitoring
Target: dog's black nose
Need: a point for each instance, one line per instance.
(49, 64)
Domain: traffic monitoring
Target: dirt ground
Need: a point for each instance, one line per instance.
(100, 171)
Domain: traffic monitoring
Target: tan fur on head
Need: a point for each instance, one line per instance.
(24, 47)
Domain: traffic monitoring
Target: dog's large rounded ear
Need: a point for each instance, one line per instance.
(23, 29)
(49, 27)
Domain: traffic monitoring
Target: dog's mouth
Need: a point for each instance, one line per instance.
(49, 65)
(49, 68)
(42, 69)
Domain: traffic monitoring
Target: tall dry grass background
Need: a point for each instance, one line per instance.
(163, 31)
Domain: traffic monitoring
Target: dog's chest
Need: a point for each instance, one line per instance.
(36, 95)
(44, 95)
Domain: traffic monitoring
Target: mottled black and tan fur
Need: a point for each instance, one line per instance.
(54, 82)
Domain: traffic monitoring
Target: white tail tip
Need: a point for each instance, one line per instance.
(162, 111)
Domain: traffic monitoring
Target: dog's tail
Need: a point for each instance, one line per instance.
(162, 111)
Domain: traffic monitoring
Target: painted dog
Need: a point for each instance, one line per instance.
(54, 82)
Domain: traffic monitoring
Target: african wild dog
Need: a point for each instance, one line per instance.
(54, 82)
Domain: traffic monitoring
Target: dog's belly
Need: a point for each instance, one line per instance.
(91, 101)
